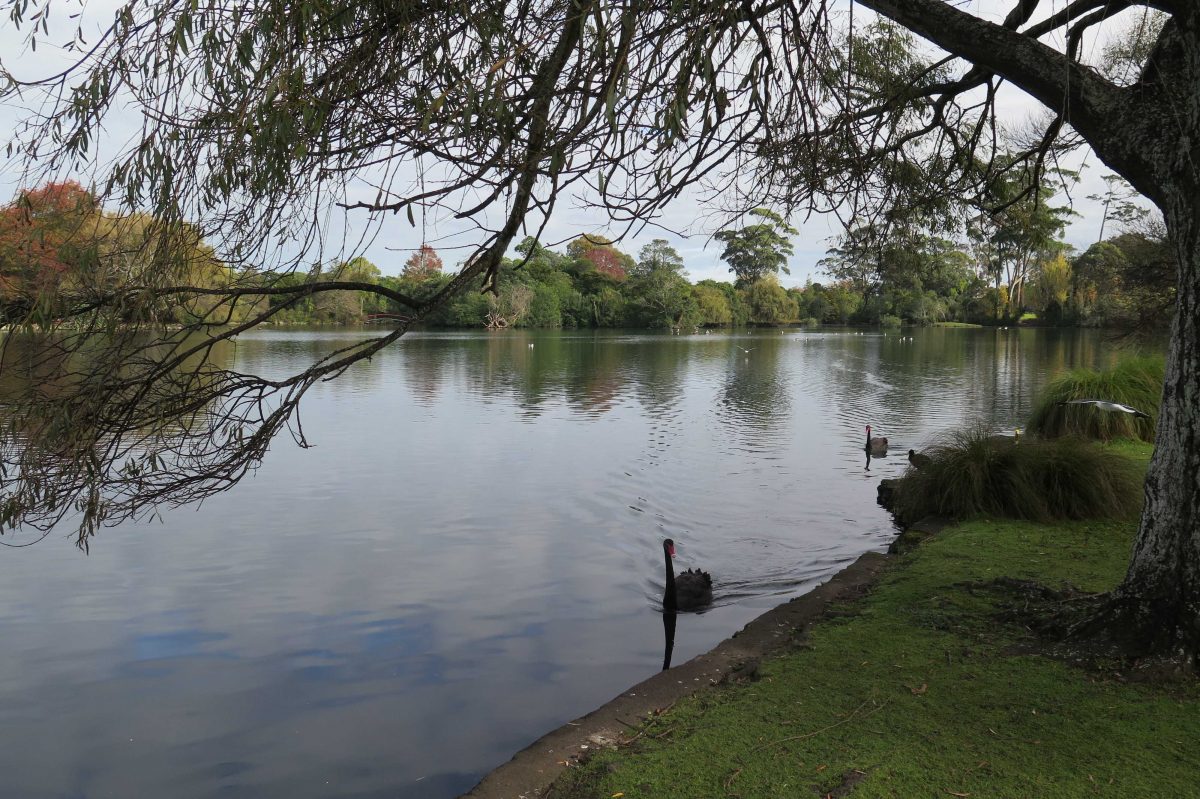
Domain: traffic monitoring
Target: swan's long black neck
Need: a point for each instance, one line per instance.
(668, 636)
(669, 594)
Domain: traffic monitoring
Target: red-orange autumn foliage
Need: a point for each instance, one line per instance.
(45, 233)
(607, 261)
(423, 264)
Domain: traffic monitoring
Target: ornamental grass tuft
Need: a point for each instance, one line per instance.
(1134, 381)
(972, 473)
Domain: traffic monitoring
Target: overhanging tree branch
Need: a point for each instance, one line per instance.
(1048, 75)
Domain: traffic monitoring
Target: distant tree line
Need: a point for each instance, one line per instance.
(914, 268)
(594, 284)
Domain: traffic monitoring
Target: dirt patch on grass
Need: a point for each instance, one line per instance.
(849, 781)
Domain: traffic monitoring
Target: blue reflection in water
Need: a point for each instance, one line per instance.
(181, 643)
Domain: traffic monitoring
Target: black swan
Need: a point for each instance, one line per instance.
(875, 446)
(918, 460)
(691, 590)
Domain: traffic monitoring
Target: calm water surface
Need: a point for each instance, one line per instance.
(471, 553)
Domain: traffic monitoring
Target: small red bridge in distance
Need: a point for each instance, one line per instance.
(380, 318)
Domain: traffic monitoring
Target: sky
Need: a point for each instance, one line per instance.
(684, 225)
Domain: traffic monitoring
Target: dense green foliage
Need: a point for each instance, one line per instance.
(592, 284)
(757, 251)
(1135, 381)
(972, 473)
(333, 307)
(929, 264)
(920, 689)
(1127, 281)
(59, 236)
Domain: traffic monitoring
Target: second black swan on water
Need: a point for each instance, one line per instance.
(690, 590)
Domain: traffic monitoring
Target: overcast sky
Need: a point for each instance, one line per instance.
(397, 239)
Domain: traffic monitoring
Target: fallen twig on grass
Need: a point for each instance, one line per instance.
(815, 733)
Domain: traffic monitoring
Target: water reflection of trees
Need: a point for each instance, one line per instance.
(593, 373)
(272, 354)
(754, 401)
(64, 454)
(930, 378)
(159, 427)
(594, 383)
(589, 373)
(656, 367)
(1009, 366)
(424, 361)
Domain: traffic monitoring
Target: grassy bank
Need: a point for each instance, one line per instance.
(1136, 381)
(922, 690)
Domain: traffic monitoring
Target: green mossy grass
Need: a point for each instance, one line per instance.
(920, 690)
(970, 473)
(1136, 381)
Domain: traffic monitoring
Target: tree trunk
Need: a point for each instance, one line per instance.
(1148, 133)
(1158, 605)
(1159, 602)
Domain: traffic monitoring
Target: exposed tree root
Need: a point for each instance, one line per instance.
(1108, 633)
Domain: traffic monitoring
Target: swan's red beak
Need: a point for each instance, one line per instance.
(671, 550)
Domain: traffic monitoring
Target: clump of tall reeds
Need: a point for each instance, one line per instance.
(971, 473)
(1134, 381)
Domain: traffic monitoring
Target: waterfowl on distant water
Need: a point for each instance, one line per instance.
(877, 445)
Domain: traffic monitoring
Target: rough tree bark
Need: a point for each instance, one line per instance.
(1149, 133)
(1157, 608)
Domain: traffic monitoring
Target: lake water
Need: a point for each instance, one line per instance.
(470, 555)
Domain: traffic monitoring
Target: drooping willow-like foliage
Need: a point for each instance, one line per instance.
(261, 122)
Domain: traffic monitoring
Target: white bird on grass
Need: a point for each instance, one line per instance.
(1105, 405)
